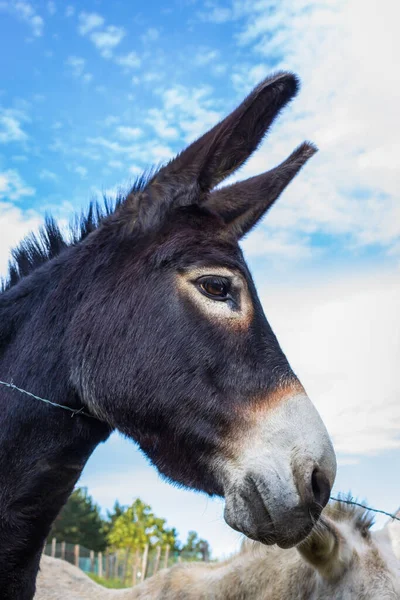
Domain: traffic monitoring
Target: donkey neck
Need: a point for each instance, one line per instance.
(42, 449)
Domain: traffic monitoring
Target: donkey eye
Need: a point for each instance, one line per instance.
(216, 288)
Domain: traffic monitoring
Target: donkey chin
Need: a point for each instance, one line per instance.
(280, 475)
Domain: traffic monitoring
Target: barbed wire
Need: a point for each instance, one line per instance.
(376, 510)
(74, 411)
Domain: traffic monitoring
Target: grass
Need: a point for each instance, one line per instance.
(107, 583)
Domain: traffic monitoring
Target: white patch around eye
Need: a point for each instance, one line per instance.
(218, 309)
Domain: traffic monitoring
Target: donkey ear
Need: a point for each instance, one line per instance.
(242, 204)
(326, 550)
(224, 148)
(393, 530)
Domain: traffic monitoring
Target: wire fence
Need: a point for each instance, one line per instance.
(125, 567)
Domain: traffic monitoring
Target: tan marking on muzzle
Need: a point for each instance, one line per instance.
(218, 311)
(263, 403)
(248, 415)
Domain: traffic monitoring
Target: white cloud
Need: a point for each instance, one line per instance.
(88, 22)
(69, 11)
(147, 152)
(11, 127)
(108, 39)
(12, 186)
(105, 38)
(110, 120)
(152, 76)
(82, 171)
(15, 223)
(205, 57)
(218, 69)
(342, 338)
(246, 76)
(159, 153)
(157, 120)
(348, 106)
(191, 108)
(129, 61)
(135, 170)
(115, 164)
(278, 245)
(47, 175)
(77, 65)
(217, 14)
(129, 133)
(26, 13)
(51, 7)
(151, 35)
(111, 145)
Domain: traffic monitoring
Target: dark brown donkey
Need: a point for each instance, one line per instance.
(149, 321)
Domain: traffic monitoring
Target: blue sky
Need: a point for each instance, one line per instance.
(92, 94)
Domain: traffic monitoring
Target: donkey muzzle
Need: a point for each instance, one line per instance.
(281, 478)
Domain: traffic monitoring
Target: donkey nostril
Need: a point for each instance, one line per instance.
(321, 488)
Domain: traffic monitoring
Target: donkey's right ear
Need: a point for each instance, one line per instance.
(223, 149)
(242, 204)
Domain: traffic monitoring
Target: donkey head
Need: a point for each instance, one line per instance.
(171, 345)
(351, 561)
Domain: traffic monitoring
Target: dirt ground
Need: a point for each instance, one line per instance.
(59, 580)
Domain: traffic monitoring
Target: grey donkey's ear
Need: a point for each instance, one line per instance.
(393, 530)
(223, 149)
(326, 550)
(242, 204)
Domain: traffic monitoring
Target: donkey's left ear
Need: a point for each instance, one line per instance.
(223, 149)
(243, 204)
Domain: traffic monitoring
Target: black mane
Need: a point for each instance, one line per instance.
(38, 248)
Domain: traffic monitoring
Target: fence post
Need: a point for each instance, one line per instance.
(115, 570)
(144, 561)
(76, 554)
(63, 550)
(100, 564)
(166, 556)
(135, 567)
(53, 547)
(107, 564)
(157, 560)
(125, 566)
(92, 561)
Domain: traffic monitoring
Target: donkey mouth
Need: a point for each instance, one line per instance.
(248, 511)
(245, 511)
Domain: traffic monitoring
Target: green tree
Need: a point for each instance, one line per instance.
(116, 512)
(112, 516)
(138, 526)
(195, 548)
(80, 522)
